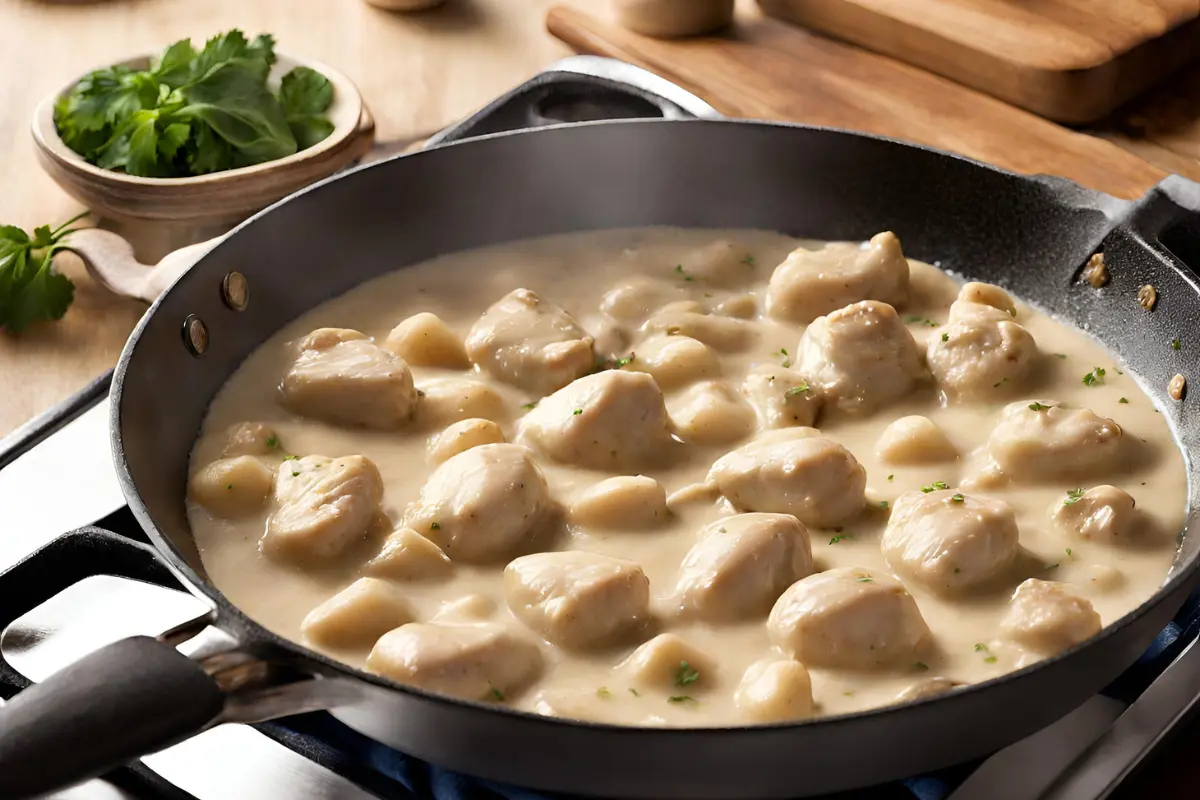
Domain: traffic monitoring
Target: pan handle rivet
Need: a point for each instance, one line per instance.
(235, 291)
(195, 335)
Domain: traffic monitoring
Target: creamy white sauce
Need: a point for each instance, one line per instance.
(575, 271)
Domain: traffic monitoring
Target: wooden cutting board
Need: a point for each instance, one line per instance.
(1068, 60)
(764, 69)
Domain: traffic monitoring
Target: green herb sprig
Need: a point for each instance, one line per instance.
(30, 288)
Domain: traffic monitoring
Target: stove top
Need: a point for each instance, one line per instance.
(1083, 756)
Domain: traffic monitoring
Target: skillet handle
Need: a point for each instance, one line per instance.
(130, 698)
(581, 89)
(1168, 219)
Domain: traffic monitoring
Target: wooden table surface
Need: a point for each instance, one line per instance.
(416, 72)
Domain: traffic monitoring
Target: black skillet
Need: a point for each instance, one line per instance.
(1029, 234)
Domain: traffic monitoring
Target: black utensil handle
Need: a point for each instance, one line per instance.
(125, 700)
(1168, 218)
(580, 89)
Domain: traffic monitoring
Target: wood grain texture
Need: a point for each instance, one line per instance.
(1068, 60)
(770, 70)
(1163, 126)
(417, 72)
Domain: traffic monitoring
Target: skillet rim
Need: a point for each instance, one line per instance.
(1068, 192)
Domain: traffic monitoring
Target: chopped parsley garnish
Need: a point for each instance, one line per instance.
(626, 361)
(837, 539)
(1069, 553)
(983, 648)
(685, 675)
(497, 695)
(1073, 497)
(748, 261)
(1036, 406)
(865, 579)
(957, 498)
(935, 486)
(921, 665)
(1124, 401)
(272, 442)
(957, 570)
(679, 271)
(681, 698)
(291, 458)
(530, 406)
(883, 504)
(433, 526)
(945, 337)
(787, 362)
(1094, 377)
(603, 692)
(722, 530)
(1061, 355)
(795, 390)
(229, 486)
(891, 478)
(577, 412)
(634, 692)
(295, 474)
(1174, 344)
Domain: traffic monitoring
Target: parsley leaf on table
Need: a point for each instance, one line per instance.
(30, 289)
(195, 112)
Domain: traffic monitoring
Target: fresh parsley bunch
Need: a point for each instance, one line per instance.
(193, 113)
(30, 289)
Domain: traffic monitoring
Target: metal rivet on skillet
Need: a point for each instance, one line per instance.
(235, 291)
(195, 335)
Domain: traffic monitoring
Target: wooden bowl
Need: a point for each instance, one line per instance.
(220, 198)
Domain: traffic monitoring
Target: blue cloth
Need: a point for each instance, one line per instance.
(395, 775)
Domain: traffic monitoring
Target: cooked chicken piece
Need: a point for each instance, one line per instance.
(775, 691)
(860, 357)
(344, 378)
(531, 343)
(981, 351)
(424, 340)
(848, 617)
(712, 413)
(668, 662)
(1036, 440)
(720, 263)
(409, 556)
(1046, 619)
(930, 687)
(250, 439)
(811, 283)
(781, 397)
(633, 301)
(629, 502)
(463, 435)
(675, 361)
(725, 334)
(1101, 514)
(449, 400)
(988, 295)
(357, 615)
(813, 478)
(741, 565)
(613, 420)
(914, 440)
(322, 505)
(950, 541)
(232, 487)
(484, 504)
(577, 600)
(474, 661)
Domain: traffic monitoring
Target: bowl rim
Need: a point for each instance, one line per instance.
(45, 132)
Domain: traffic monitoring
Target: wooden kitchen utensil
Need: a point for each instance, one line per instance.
(766, 69)
(1068, 60)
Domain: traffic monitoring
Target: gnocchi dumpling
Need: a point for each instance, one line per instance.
(1037, 440)
(1046, 618)
(721, 333)
(861, 357)
(322, 506)
(712, 413)
(424, 340)
(576, 599)
(474, 661)
(342, 377)
(811, 283)
(775, 691)
(674, 361)
(668, 662)
(813, 478)
(914, 440)
(848, 617)
(633, 301)
(358, 615)
(720, 263)
(408, 556)
(250, 439)
(232, 487)
(629, 502)
(530, 343)
(448, 400)
(463, 435)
